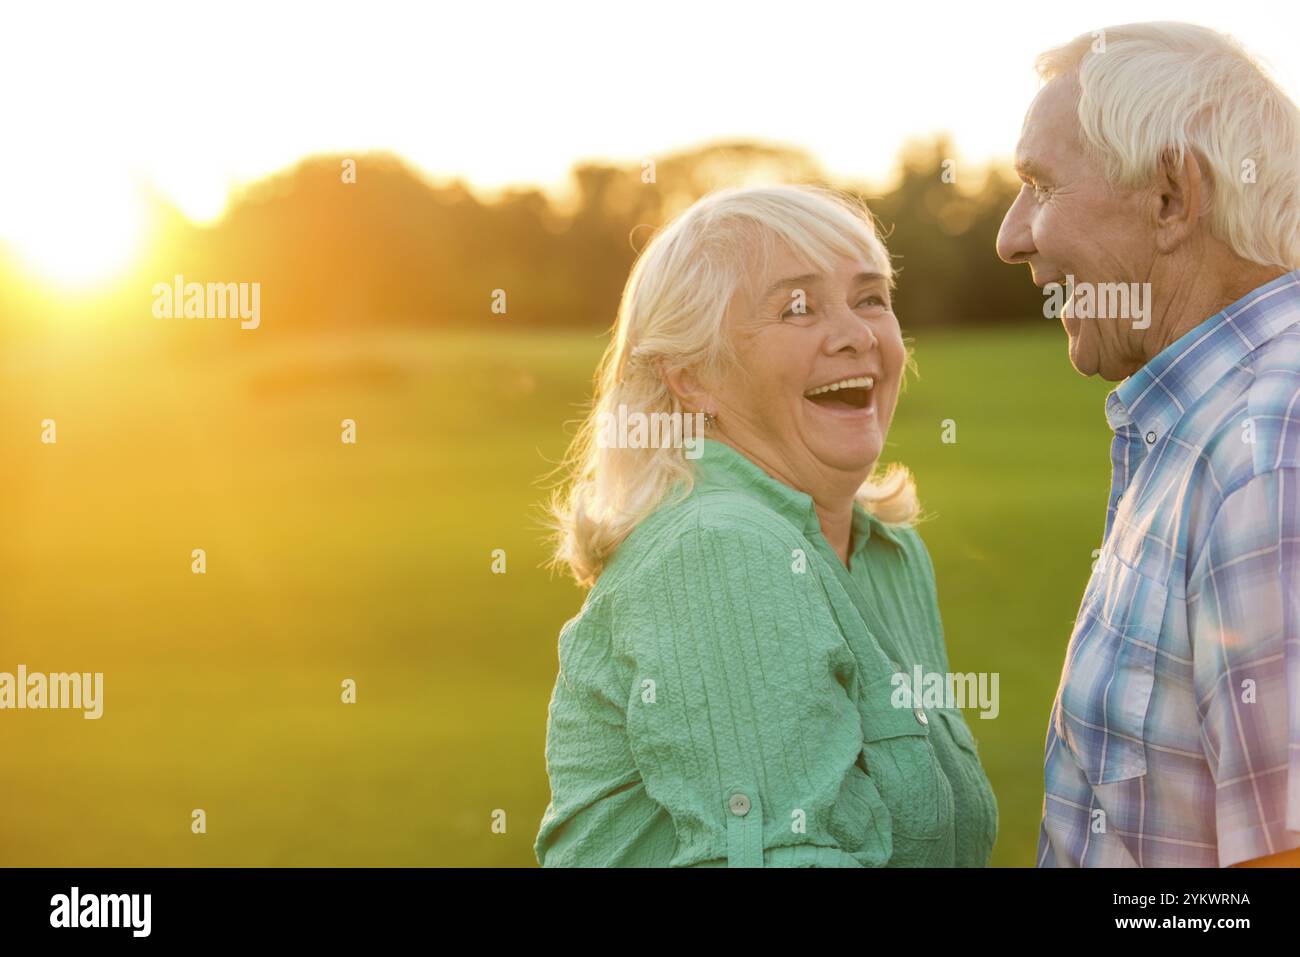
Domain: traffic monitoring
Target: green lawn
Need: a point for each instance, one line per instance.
(328, 561)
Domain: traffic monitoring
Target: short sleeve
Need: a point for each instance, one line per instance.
(1244, 624)
(741, 718)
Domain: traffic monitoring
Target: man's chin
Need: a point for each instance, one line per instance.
(1083, 360)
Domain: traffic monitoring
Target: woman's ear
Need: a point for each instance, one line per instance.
(686, 386)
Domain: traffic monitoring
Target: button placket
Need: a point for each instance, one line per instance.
(744, 827)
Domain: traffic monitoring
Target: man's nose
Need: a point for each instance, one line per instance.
(1015, 241)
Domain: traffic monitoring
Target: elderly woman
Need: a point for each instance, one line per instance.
(728, 693)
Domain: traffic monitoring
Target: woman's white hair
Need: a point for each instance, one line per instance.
(672, 317)
(1151, 89)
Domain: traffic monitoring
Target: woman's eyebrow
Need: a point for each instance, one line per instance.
(792, 281)
(815, 277)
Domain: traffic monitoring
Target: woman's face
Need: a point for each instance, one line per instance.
(820, 364)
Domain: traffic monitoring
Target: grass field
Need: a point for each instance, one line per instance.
(371, 561)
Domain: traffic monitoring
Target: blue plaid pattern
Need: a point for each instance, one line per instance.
(1174, 739)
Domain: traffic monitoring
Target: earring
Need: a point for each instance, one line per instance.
(709, 419)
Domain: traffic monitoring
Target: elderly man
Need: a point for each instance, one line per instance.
(1158, 160)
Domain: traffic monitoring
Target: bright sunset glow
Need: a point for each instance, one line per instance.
(76, 229)
(194, 101)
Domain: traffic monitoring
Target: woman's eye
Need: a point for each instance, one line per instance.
(878, 300)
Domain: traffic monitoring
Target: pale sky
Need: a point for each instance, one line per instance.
(194, 98)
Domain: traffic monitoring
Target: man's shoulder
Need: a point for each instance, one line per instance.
(1257, 429)
(1273, 402)
(1250, 435)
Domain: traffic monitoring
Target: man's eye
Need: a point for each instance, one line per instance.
(1041, 191)
(879, 300)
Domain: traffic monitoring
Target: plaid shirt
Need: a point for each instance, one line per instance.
(1175, 736)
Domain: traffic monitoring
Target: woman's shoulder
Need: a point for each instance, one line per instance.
(714, 518)
(903, 536)
(710, 545)
(913, 546)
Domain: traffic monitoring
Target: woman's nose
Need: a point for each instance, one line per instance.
(851, 332)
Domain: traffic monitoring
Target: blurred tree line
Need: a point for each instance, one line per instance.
(394, 248)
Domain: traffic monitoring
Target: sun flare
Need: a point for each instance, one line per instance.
(75, 235)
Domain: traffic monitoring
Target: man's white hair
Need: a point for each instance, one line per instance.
(1148, 89)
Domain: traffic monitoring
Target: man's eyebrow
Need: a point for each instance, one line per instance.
(1027, 167)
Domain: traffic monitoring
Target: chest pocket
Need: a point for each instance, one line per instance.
(980, 804)
(1109, 672)
(900, 760)
(897, 755)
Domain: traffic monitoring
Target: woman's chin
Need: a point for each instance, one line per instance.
(851, 452)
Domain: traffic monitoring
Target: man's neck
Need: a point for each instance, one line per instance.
(1199, 293)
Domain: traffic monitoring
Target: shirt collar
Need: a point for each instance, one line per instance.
(721, 466)
(1157, 395)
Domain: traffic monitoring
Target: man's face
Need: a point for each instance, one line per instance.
(1067, 220)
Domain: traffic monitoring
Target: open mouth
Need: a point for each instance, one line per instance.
(853, 393)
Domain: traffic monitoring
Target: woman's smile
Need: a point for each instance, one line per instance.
(852, 397)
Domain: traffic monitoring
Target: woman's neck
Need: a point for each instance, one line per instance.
(837, 527)
(832, 493)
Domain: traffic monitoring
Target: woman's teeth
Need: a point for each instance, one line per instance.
(861, 382)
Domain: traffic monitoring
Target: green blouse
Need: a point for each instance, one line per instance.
(725, 696)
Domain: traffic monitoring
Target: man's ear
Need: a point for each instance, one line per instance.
(686, 386)
(1180, 190)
